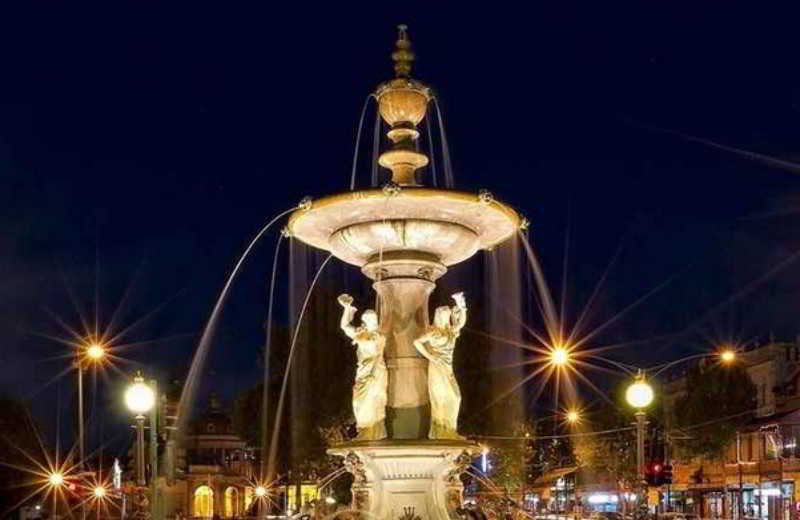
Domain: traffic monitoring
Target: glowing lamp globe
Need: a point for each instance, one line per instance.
(55, 479)
(99, 491)
(139, 397)
(639, 394)
(261, 491)
(559, 356)
(727, 356)
(572, 416)
(95, 352)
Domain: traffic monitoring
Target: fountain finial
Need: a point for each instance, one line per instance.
(402, 103)
(403, 56)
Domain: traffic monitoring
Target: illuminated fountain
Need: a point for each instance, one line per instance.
(408, 455)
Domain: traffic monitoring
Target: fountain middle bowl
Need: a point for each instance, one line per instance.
(444, 225)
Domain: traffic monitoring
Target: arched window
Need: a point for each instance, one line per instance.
(231, 502)
(203, 503)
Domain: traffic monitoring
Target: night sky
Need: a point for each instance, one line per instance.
(143, 145)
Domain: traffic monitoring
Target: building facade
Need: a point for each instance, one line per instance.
(759, 475)
(210, 472)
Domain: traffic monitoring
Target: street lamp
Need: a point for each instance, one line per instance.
(261, 491)
(139, 398)
(95, 351)
(573, 417)
(55, 479)
(727, 355)
(92, 352)
(559, 356)
(639, 395)
(99, 492)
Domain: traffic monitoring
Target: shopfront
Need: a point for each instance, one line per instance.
(679, 501)
(603, 502)
(767, 501)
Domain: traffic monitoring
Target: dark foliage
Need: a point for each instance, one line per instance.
(719, 400)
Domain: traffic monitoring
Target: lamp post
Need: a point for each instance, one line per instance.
(140, 399)
(639, 395)
(573, 417)
(55, 480)
(92, 353)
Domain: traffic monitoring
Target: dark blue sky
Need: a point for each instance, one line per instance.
(142, 145)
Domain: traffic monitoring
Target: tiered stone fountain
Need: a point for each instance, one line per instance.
(403, 237)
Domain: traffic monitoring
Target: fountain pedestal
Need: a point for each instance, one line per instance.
(391, 478)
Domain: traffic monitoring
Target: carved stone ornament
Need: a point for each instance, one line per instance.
(461, 463)
(355, 466)
(453, 503)
(409, 513)
(361, 500)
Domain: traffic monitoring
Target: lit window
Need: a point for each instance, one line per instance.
(231, 502)
(203, 505)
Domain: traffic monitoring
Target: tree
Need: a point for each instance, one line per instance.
(511, 458)
(18, 442)
(551, 450)
(719, 401)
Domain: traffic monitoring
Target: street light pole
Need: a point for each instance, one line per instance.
(140, 399)
(639, 395)
(154, 451)
(81, 443)
(640, 433)
(641, 421)
(91, 352)
(81, 447)
(140, 480)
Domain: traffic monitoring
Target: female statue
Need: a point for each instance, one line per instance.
(369, 389)
(437, 345)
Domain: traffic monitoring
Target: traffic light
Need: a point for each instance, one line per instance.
(654, 473)
(666, 474)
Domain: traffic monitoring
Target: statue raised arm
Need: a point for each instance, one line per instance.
(370, 386)
(348, 313)
(458, 313)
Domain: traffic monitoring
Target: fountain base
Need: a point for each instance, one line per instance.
(407, 479)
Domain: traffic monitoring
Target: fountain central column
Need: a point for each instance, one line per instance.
(403, 286)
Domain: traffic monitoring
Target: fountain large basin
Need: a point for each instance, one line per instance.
(444, 226)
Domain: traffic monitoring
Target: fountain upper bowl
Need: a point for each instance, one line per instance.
(448, 226)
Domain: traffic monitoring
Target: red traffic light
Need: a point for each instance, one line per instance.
(657, 468)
